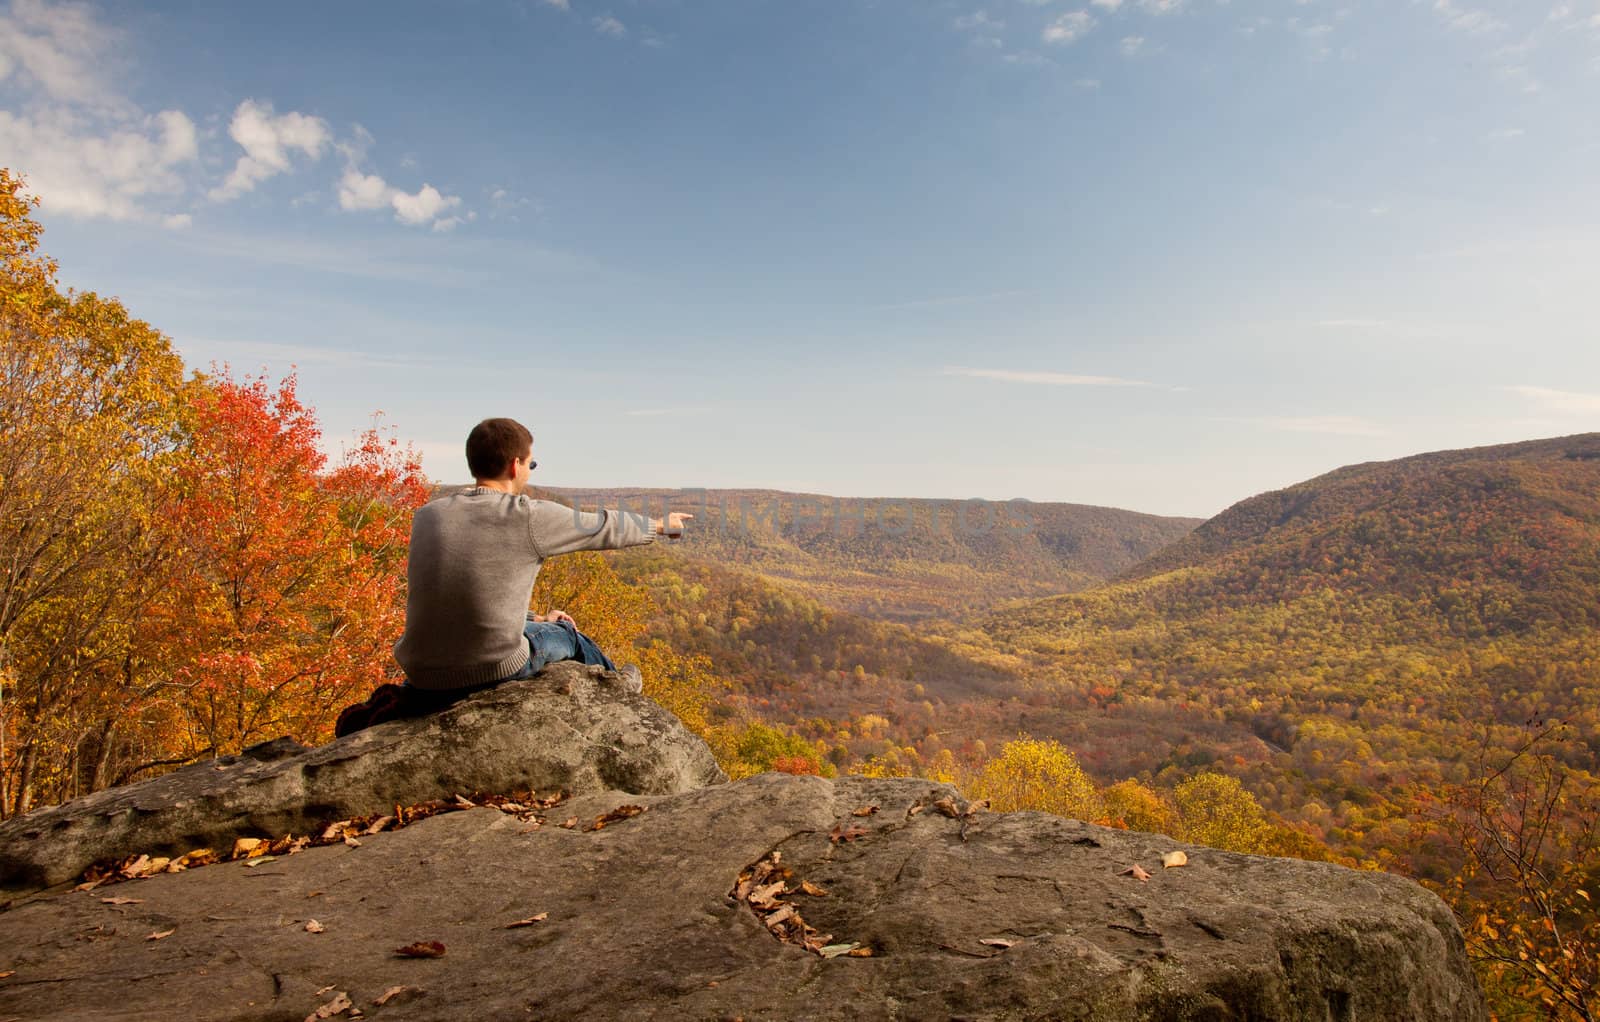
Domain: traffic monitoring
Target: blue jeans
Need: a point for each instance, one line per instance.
(550, 641)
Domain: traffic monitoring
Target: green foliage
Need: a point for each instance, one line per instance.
(757, 748)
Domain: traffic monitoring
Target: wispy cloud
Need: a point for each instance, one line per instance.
(1068, 28)
(1048, 378)
(275, 354)
(926, 303)
(1560, 402)
(607, 25)
(269, 142)
(1336, 425)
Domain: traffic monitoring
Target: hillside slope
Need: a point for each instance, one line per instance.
(904, 560)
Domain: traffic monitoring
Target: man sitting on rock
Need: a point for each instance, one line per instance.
(475, 555)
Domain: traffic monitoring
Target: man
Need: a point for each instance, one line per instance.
(474, 558)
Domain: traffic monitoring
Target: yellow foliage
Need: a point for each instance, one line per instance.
(1040, 775)
(1216, 810)
(1132, 805)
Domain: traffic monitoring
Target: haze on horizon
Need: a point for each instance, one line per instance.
(1152, 254)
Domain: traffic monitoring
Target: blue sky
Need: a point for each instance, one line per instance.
(1155, 254)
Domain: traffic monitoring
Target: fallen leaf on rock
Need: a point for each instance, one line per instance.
(89, 885)
(765, 897)
(783, 914)
(380, 824)
(569, 823)
(860, 952)
(947, 807)
(842, 833)
(974, 808)
(541, 917)
(835, 950)
(1136, 871)
(163, 935)
(352, 842)
(122, 901)
(248, 846)
(465, 803)
(421, 949)
(812, 889)
(333, 831)
(865, 811)
(914, 810)
(324, 990)
(260, 860)
(619, 813)
(8, 975)
(338, 1006)
(1172, 859)
(135, 867)
(395, 993)
(312, 926)
(999, 942)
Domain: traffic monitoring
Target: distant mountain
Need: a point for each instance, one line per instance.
(904, 559)
(1493, 538)
(1375, 628)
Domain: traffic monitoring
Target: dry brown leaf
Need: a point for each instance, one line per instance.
(333, 831)
(394, 993)
(842, 833)
(421, 949)
(541, 917)
(312, 926)
(619, 813)
(1171, 859)
(782, 915)
(812, 889)
(324, 990)
(999, 942)
(1136, 871)
(122, 901)
(260, 860)
(947, 807)
(380, 824)
(135, 867)
(765, 897)
(352, 842)
(865, 811)
(974, 808)
(248, 846)
(8, 975)
(568, 823)
(914, 810)
(163, 935)
(859, 952)
(338, 1006)
(89, 885)
(465, 803)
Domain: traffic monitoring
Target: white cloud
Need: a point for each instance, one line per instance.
(177, 221)
(1109, 5)
(60, 51)
(269, 142)
(1562, 402)
(1047, 378)
(560, 5)
(1068, 28)
(977, 20)
(1162, 6)
(358, 191)
(607, 25)
(1473, 22)
(1131, 45)
(81, 165)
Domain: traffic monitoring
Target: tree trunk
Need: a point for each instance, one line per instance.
(100, 779)
(24, 796)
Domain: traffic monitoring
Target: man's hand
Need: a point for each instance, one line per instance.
(556, 617)
(672, 526)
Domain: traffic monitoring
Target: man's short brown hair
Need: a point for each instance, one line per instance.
(493, 444)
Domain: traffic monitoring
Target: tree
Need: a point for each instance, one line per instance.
(1528, 829)
(1040, 775)
(1216, 810)
(90, 409)
(289, 592)
(1133, 805)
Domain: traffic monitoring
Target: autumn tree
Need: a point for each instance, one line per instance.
(1527, 826)
(1042, 775)
(1215, 809)
(290, 589)
(90, 409)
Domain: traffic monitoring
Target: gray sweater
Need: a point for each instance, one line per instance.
(474, 558)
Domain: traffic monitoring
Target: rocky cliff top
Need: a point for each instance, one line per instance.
(776, 897)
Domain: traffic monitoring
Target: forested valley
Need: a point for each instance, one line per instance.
(1392, 666)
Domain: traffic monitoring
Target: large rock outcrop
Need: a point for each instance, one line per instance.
(991, 916)
(572, 728)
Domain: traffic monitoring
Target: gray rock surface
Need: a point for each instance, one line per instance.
(572, 728)
(641, 924)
